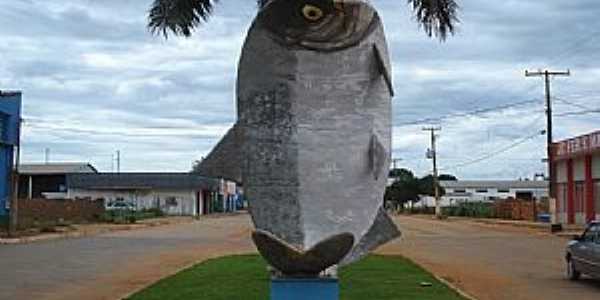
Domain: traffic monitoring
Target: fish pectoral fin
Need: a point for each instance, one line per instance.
(382, 231)
(384, 65)
(377, 155)
(291, 261)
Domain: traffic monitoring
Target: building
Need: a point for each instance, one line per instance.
(10, 127)
(173, 193)
(463, 191)
(576, 179)
(48, 180)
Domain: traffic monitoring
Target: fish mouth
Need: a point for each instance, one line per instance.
(296, 263)
(321, 25)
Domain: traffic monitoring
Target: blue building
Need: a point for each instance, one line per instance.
(10, 127)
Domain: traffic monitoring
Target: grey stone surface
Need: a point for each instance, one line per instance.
(314, 109)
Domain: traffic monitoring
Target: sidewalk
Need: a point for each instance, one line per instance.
(568, 229)
(85, 230)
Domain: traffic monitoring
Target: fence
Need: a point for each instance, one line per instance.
(516, 209)
(44, 212)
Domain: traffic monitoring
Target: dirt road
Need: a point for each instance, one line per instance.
(488, 262)
(110, 266)
(491, 262)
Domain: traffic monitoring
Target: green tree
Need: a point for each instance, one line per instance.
(401, 174)
(405, 188)
(180, 17)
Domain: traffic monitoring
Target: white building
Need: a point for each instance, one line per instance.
(173, 193)
(463, 191)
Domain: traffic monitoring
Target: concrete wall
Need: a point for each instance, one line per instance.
(579, 169)
(171, 202)
(561, 172)
(596, 166)
(495, 193)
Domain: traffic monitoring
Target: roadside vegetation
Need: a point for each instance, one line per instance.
(245, 277)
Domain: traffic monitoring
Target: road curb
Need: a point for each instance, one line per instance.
(454, 288)
(87, 233)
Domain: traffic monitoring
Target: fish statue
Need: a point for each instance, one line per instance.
(312, 142)
(313, 136)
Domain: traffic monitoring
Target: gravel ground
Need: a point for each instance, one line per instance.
(491, 262)
(112, 265)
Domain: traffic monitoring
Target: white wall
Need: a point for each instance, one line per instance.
(579, 169)
(596, 166)
(185, 200)
(561, 172)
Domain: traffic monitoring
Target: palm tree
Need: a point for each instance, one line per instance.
(180, 17)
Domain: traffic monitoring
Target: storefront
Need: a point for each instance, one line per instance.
(576, 180)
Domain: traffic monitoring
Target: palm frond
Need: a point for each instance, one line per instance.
(180, 17)
(437, 17)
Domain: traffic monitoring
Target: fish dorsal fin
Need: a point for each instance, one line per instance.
(294, 262)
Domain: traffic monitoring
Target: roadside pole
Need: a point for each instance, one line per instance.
(432, 154)
(13, 225)
(551, 172)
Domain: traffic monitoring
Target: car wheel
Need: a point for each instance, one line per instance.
(572, 273)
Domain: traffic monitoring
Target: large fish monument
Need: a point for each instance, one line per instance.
(312, 142)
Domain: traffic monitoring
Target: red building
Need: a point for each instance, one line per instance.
(577, 179)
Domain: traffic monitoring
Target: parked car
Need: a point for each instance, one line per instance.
(583, 253)
(120, 205)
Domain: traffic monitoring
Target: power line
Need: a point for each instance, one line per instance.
(470, 113)
(578, 113)
(571, 103)
(493, 154)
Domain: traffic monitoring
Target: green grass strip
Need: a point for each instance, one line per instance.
(245, 278)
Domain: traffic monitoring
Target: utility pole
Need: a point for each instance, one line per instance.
(546, 74)
(118, 161)
(13, 225)
(394, 161)
(432, 154)
(395, 167)
(47, 155)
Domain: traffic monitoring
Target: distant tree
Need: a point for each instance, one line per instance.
(401, 174)
(196, 167)
(426, 184)
(405, 188)
(447, 177)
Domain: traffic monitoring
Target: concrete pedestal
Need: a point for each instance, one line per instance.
(305, 289)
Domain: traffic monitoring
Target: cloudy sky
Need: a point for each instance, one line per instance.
(95, 81)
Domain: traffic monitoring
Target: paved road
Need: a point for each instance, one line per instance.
(110, 266)
(492, 262)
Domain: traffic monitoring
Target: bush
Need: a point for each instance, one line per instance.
(472, 209)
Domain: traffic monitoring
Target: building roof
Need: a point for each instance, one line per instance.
(56, 168)
(498, 184)
(138, 181)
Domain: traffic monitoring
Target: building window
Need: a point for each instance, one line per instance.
(171, 201)
(504, 191)
(460, 190)
(481, 191)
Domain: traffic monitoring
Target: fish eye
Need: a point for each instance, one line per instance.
(312, 13)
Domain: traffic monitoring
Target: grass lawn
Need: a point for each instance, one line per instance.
(245, 278)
